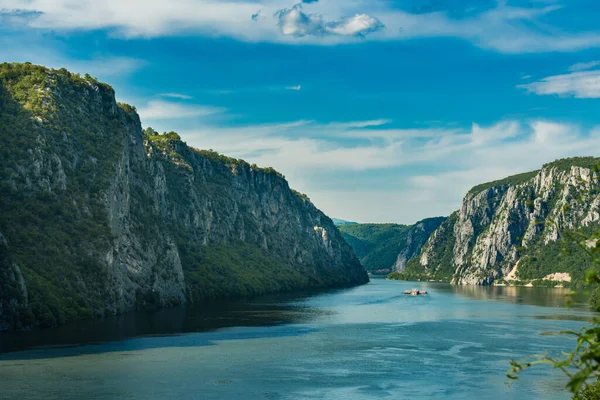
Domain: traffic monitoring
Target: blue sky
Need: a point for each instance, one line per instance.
(381, 111)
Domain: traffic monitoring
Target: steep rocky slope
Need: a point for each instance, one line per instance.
(98, 217)
(383, 248)
(520, 219)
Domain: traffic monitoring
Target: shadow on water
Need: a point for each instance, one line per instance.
(97, 336)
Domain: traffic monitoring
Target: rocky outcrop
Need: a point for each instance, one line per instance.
(103, 217)
(519, 218)
(416, 238)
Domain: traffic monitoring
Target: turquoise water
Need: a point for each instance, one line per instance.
(369, 342)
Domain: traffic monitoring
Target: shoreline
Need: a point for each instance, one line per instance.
(558, 285)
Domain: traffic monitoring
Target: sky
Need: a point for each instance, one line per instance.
(378, 110)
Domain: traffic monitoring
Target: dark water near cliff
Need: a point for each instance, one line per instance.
(369, 342)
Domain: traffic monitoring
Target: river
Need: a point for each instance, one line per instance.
(368, 342)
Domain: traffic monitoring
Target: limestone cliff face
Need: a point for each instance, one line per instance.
(502, 222)
(416, 238)
(98, 217)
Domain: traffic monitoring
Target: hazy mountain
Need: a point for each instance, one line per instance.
(383, 248)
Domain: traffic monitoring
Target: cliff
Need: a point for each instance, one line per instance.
(383, 248)
(516, 225)
(98, 217)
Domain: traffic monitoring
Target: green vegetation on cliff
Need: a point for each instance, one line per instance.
(510, 180)
(55, 235)
(99, 217)
(524, 218)
(441, 260)
(562, 255)
(384, 247)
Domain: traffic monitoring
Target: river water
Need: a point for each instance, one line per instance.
(368, 342)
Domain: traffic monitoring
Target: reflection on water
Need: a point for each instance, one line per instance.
(370, 342)
(547, 297)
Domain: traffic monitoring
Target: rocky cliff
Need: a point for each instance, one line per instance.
(520, 220)
(99, 217)
(383, 248)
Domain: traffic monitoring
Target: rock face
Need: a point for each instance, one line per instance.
(518, 218)
(13, 292)
(99, 217)
(388, 247)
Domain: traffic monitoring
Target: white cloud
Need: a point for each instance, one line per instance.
(503, 28)
(384, 167)
(296, 88)
(295, 22)
(581, 85)
(102, 66)
(177, 96)
(360, 24)
(584, 66)
(160, 109)
(550, 133)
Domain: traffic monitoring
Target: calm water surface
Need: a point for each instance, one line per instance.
(369, 342)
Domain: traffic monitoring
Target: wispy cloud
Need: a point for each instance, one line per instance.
(584, 66)
(296, 88)
(177, 96)
(581, 85)
(103, 66)
(498, 27)
(311, 153)
(160, 109)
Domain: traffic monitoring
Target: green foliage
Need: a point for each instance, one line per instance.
(378, 245)
(396, 276)
(594, 299)
(565, 164)
(47, 118)
(508, 181)
(301, 195)
(441, 266)
(366, 238)
(590, 391)
(218, 271)
(582, 364)
(564, 255)
(168, 144)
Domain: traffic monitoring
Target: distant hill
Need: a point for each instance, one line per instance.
(383, 248)
(340, 222)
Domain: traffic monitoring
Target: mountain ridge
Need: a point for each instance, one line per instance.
(504, 222)
(99, 217)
